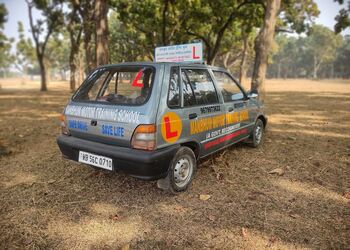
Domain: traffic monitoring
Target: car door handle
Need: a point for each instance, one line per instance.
(192, 116)
(239, 105)
(93, 122)
(230, 109)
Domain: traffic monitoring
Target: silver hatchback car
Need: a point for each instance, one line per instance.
(155, 120)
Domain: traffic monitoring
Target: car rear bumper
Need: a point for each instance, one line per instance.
(147, 165)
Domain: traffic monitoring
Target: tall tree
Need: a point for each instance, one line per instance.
(101, 32)
(52, 13)
(322, 43)
(86, 10)
(75, 30)
(211, 20)
(263, 43)
(126, 43)
(6, 58)
(57, 54)
(342, 66)
(25, 51)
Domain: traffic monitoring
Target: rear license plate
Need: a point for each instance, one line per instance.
(96, 160)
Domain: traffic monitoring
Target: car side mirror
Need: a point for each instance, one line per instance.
(237, 96)
(253, 94)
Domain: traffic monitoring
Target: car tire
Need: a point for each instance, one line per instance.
(181, 171)
(257, 135)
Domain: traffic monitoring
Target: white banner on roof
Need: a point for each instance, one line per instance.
(191, 52)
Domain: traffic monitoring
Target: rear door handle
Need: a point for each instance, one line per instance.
(192, 116)
(230, 109)
(93, 122)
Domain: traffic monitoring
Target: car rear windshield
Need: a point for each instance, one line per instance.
(125, 85)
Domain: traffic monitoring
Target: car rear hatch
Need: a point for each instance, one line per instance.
(112, 102)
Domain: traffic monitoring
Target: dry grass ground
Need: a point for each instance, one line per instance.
(48, 202)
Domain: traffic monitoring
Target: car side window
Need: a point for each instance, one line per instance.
(198, 87)
(174, 88)
(228, 87)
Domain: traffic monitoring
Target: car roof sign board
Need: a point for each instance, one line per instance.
(191, 52)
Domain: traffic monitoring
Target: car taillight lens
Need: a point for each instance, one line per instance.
(144, 137)
(64, 128)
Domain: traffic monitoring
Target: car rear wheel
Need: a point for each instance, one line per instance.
(181, 171)
(257, 134)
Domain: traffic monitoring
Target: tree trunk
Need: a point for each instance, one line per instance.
(43, 75)
(315, 68)
(263, 44)
(87, 14)
(101, 11)
(72, 68)
(164, 22)
(243, 64)
(75, 42)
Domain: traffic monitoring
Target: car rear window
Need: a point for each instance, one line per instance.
(125, 85)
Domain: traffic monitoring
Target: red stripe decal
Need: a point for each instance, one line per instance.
(225, 138)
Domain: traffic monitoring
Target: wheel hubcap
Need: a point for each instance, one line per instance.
(258, 134)
(182, 172)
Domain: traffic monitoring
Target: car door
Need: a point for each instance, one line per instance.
(203, 110)
(236, 105)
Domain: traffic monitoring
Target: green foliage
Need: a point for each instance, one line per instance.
(343, 18)
(322, 43)
(52, 20)
(311, 56)
(297, 15)
(57, 51)
(3, 15)
(221, 25)
(6, 58)
(25, 51)
(125, 42)
(341, 63)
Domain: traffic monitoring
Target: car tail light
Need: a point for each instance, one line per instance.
(64, 128)
(144, 137)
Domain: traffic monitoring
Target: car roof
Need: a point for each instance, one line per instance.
(155, 64)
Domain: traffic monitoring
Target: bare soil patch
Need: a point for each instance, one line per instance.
(293, 192)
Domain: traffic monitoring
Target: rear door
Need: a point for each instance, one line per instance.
(190, 109)
(112, 102)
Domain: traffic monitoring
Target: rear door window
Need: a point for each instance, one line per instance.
(174, 88)
(126, 86)
(198, 87)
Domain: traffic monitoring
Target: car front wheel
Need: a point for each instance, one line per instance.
(257, 134)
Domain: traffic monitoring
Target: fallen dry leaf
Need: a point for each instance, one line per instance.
(211, 217)
(219, 176)
(244, 232)
(278, 171)
(204, 197)
(51, 181)
(295, 216)
(115, 217)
